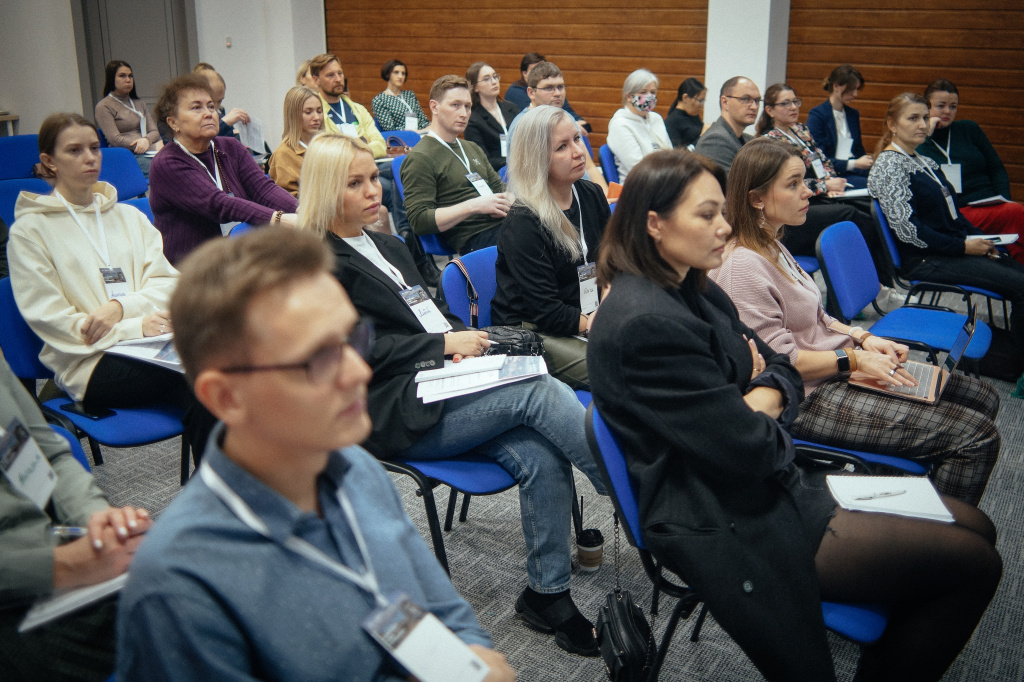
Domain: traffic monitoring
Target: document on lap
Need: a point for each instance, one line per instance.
(990, 201)
(511, 369)
(63, 602)
(912, 496)
(997, 239)
(156, 350)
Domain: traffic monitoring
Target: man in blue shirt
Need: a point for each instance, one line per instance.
(264, 567)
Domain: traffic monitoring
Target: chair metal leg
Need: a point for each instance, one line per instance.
(666, 640)
(464, 512)
(435, 526)
(577, 511)
(695, 635)
(185, 452)
(453, 498)
(97, 456)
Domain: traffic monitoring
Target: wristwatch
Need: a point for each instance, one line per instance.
(843, 360)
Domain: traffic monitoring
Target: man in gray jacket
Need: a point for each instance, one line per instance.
(739, 101)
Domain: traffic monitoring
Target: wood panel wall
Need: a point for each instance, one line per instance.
(595, 43)
(900, 46)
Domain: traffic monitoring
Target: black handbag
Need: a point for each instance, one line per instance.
(504, 340)
(625, 637)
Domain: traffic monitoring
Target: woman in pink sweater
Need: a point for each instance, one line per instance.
(782, 304)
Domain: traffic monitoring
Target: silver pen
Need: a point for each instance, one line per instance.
(887, 493)
(69, 532)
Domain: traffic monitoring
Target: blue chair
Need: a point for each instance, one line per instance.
(863, 624)
(503, 174)
(76, 446)
(471, 301)
(127, 427)
(810, 265)
(853, 284)
(121, 170)
(103, 138)
(918, 287)
(403, 138)
(590, 150)
(141, 203)
(431, 243)
(240, 229)
(10, 189)
(18, 155)
(608, 167)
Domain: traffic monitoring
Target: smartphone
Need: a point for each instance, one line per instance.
(79, 409)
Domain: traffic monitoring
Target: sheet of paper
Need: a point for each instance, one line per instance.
(997, 239)
(990, 201)
(156, 350)
(912, 496)
(854, 193)
(59, 604)
(251, 135)
(484, 363)
(515, 368)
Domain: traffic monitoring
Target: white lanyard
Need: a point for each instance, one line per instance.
(583, 240)
(464, 159)
(391, 271)
(366, 580)
(924, 166)
(796, 140)
(126, 106)
(949, 144)
(340, 111)
(399, 98)
(216, 166)
(101, 247)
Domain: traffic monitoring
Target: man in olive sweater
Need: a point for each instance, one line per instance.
(450, 186)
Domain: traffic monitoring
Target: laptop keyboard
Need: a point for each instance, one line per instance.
(923, 373)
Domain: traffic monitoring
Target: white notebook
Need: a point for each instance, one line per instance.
(913, 496)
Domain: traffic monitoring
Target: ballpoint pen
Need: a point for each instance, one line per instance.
(69, 532)
(887, 493)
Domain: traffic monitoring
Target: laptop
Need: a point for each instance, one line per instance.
(931, 379)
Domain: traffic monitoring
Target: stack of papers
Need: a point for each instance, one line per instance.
(911, 496)
(156, 350)
(476, 374)
(50, 608)
(990, 201)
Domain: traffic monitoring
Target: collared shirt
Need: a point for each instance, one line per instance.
(209, 598)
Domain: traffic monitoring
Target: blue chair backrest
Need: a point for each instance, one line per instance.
(103, 138)
(10, 189)
(122, 171)
(409, 138)
(848, 268)
(503, 174)
(590, 150)
(18, 154)
(396, 171)
(19, 343)
(887, 235)
(141, 203)
(240, 229)
(480, 266)
(431, 243)
(76, 446)
(613, 462)
(611, 171)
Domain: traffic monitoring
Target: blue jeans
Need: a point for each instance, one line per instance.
(535, 430)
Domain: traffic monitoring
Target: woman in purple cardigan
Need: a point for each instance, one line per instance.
(200, 187)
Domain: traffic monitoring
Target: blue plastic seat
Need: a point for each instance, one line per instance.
(853, 282)
(76, 446)
(608, 166)
(18, 155)
(121, 170)
(240, 229)
(141, 203)
(862, 623)
(480, 266)
(503, 174)
(127, 427)
(810, 265)
(10, 189)
(403, 138)
(431, 243)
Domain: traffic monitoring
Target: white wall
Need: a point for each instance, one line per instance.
(37, 55)
(269, 39)
(745, 38)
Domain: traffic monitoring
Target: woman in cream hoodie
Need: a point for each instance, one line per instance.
(88, 273)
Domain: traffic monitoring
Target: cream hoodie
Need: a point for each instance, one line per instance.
(55, 274)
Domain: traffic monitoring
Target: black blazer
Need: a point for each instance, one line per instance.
(718, 501)
(484, 129)
(822, 125)
(401, 347)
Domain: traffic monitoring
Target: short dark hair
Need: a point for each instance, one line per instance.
(389, 66)
(844, 75)
(529, 59)
(446, 83)
(110, 75)
(691, 87)
(657, 184)
(167, 105)
(728, 85)
(540, 72)
(219, 281)
(53, 125)
(940, 85)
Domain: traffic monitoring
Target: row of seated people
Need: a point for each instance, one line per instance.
(274, 349)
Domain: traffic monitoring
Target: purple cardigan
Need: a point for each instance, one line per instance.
(188, 208)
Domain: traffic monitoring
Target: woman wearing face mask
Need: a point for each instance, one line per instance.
(636, 130)
(303, 116)
(491, 115)
(683, 122)
(395, 108)
(124, 118)
(972, 166)
(836, 126)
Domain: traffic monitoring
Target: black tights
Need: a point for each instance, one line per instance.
(938, 578)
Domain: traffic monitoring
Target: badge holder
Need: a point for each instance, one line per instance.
(587, 275)
(425, 310)
(25, 466)
(479, 184)
(952, 173)
(412, 122)
(114, 283)
(844, 148)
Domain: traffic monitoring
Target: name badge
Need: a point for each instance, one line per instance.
(588, 287)
(114, 282)
(819, 168)
(348, 129)
(25, 466)
(425, 310)
(412, 122)
(503, 140)
(950, 204)
(952, 173)
(422, 644)
(482, 188)
(844, 148)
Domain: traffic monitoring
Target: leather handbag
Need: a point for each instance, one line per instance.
(625, 637)
(504, 340)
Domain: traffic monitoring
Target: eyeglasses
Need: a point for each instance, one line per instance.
(551, 88)
(785, 104)
(700, 101)
(493, 78)
(322, 366)
(746, 101)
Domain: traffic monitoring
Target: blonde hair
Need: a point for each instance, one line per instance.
(301, 73)
(323, 178)
(529, 163)
(294, 100)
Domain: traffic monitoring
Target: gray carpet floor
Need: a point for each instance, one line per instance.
(487, 560)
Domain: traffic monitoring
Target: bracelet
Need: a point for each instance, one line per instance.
(851, 353)
(277, 217)
(864, 338)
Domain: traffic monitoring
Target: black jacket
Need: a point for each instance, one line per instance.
(719, 500)
(401, 348)
(484, 129)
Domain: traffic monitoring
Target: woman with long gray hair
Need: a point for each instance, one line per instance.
(549, 240)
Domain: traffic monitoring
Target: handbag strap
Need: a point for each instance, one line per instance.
(474, 298)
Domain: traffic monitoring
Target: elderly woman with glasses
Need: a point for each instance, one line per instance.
(491, 115)
(636, 129)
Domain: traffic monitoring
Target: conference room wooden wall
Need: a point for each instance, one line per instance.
(898, 45)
